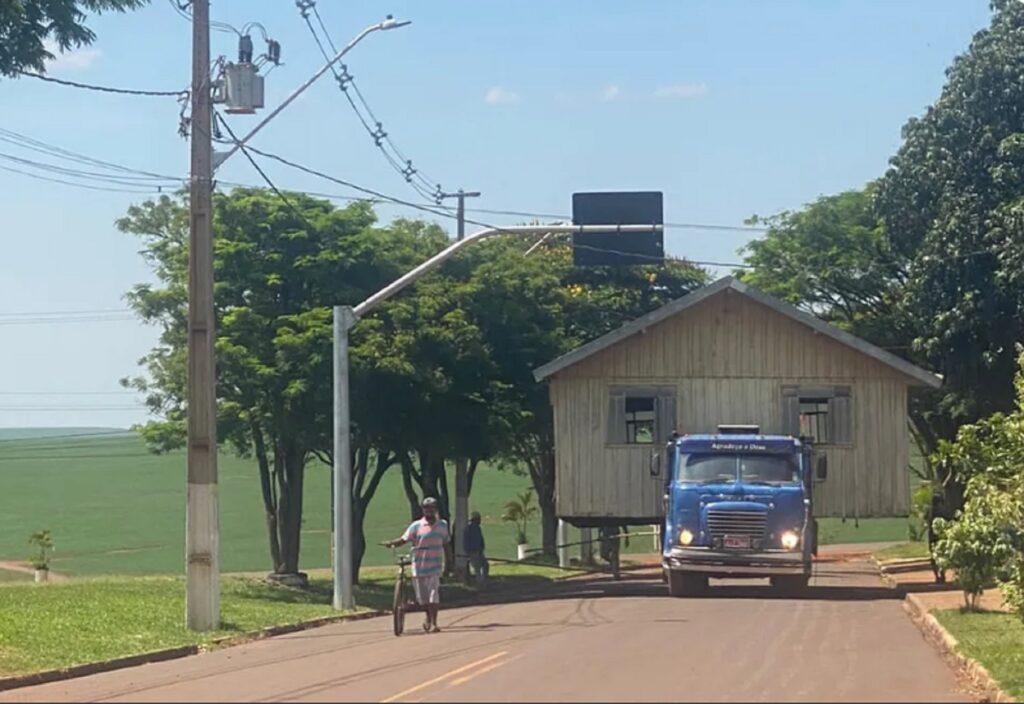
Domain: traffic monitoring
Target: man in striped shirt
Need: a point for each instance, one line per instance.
(430, 545)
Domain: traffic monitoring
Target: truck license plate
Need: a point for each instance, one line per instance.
(737, 542)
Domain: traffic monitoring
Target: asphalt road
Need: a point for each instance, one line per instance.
(847, 639)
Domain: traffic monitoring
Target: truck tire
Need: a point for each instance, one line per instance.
(681, 584)
(790, 583)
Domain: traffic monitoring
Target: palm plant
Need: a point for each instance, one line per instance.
(519, 511)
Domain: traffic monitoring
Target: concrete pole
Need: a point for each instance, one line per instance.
(586, 547)
(461, 463)
(563, 538)
(202, 524)
(342, 528)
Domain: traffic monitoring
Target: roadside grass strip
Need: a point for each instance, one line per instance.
(63, 624)
(995, 640)
(903, 551)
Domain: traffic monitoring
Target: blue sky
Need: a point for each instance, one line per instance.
(730, 107)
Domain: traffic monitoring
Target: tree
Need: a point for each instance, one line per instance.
(951, 203)
(834, 259)
(279, 269)
(25, 25)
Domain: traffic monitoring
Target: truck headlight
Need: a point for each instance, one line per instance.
(790, 540)
(685, 537)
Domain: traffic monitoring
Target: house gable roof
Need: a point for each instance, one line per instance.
(633, 327)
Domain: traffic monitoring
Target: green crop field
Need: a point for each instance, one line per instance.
(115, 509)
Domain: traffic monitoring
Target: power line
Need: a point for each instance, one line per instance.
(91, 175)
(70, 409)
(182, 10)
(39, 177)
(105, 89)
(59, 152)
(349, 184)
(345, 80)
(66, 312)
(262, 173)
(26, 142)
(67, 393)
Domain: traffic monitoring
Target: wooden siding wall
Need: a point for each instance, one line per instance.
(728, 358)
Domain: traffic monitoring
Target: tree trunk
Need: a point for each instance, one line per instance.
(358, 538)
(269, 496)
(408, 472)
(542, 474)
(292, 465)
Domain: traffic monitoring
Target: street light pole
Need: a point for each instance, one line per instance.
(202, 523)
(461, 463)
(345, 318)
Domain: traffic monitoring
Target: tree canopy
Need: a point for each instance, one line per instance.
(26, 25)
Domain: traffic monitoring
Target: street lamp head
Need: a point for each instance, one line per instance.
(391, 23)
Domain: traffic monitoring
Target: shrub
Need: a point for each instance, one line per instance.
(43, 543)
(977, 545)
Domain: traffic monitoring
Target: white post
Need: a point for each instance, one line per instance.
(563, 538)
(586, 547)
(343, 595)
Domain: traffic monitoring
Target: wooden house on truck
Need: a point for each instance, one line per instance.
(727, 354)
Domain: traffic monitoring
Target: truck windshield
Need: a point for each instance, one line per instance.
(748, 468)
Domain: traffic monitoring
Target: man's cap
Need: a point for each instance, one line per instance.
(475, 516)
(429, 501)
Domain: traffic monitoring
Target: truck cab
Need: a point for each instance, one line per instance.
(738, 504)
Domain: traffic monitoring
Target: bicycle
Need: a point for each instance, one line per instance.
(404, 600)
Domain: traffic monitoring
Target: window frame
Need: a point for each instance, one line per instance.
(840, 418)
(617, 429)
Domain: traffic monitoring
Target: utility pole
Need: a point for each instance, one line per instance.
(461, 463)
(202, 522)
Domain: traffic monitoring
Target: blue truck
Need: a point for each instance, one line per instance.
(738, 504)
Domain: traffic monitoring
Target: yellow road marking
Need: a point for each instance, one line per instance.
(493, 666)
(443, 677)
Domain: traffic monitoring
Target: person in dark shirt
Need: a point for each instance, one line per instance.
(473, 542)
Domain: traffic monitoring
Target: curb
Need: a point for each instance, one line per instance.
(947, 644)
(95, 668)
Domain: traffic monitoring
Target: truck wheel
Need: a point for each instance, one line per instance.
(790, 583)
(682, 584)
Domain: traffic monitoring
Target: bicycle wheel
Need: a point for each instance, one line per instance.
(398, 607)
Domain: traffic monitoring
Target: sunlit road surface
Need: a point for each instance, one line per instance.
(846, 639)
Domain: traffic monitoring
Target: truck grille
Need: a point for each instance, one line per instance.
(738, 523)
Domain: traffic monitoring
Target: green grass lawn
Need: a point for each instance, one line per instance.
(996, 640)
(62, 624)
(903, 551)
(834, 531)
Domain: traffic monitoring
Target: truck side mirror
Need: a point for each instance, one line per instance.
(821, 468)
(655, 465)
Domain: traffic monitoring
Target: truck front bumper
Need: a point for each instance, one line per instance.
(723, 563)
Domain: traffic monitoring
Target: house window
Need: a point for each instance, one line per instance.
(814, 420)
(640, 415)
(640, 420)
(823, 414)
